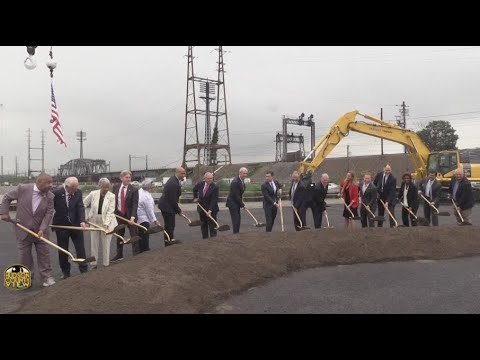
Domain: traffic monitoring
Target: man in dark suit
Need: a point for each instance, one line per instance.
(386, 185)
(206, 192)
(462, 194)
(431, 189)
(408, 195)
(320, 194)
(368, 195)
(309, 202)
(168, 204)
(126, 205)
(69, 211)
(271, 191)
(235, 200)
(297, 197)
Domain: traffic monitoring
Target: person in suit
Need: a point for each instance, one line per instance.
(235, 200)
(309, 201)
(461, 192)
(206, 194)
(271, 191)
(168, 204)
(69, 211)
(146, 213)
(297, 197)
(368, 195)
(35, 211)
(408, 195)
(126, 205)
(431, 189)
(100, 205)
(320, 194)
(386, 185)
(349, 192)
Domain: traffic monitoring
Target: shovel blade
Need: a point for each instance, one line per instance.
(378, 218)
(423, 222)
(84, 261)
(155, 229)
(260, 225)
(134, 239)
(195, 223)
(443, 213)
(465, 223)
(356, 218)
(223, 228)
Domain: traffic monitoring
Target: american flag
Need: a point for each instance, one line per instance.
(56, 127)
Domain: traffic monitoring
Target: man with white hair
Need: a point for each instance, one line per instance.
(462, 194)
(235, 200)
(205, 193)
(69, 211)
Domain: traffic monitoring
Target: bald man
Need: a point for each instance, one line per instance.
(168, 203)
(69, 211)
(386, 185)
(35, 212)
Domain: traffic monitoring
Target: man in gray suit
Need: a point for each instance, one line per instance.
(368, 195)
(35, 212)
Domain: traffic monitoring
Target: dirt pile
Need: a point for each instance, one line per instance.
(195, 277)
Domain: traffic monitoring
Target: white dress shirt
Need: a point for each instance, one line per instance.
(146, 204)
(36, 198)
(405, 193)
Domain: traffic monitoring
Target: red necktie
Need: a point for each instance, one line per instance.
(205, 190)
(122, 198)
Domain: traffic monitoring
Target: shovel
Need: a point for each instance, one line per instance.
(353, 217)
(219, 228)
(439, 213)
(152, 230)
(257, 224)
(459, 214)
(421, 221)
(74, 228)
(390, 214)
(118, 227)
(281, 213)
(72, 258)
(375, 218)
(301, 227)
(326, 218)
(190, 222)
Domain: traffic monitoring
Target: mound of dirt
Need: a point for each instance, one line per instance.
(195, 277)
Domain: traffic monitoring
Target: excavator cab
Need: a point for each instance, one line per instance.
(443, 163)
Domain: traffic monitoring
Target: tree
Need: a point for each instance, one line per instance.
(439, 135)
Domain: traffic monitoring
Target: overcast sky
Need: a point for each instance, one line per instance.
(131, 100)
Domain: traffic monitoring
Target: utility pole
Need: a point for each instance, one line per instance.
(130, 163)
(146, 166)
(402, 121)
(81, 136)
(381, 118)
(16, 167)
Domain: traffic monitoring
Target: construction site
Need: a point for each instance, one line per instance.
(202, 276)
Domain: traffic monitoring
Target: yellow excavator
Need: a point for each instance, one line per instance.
(443, 162)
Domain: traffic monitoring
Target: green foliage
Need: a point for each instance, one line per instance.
(439, 135)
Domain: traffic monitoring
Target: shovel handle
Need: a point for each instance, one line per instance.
(186, 218)
(73, 228)
(406, 207)
(326, 217)
(253, 217)
(43, 239)
(298, 217)
(281, 213)
(368, 209)
(457, 210)
(348, 208)
(389, 213)
(429, 203)
(131, 222)
(208, 214)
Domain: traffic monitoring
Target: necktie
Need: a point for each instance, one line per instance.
(205, 189)
(122, 199)
(273, 186)
(69, 198)
(430, 190)
(294, 189)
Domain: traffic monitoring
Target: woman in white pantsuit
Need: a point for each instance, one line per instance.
(101, 204)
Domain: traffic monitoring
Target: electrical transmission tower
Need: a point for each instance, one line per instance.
(214, 147)
(290, 139)
(298, 122)
(81, 136)
(31, 171)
